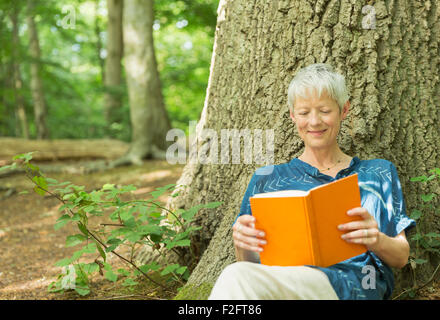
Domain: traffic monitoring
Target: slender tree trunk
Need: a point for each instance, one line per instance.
(392, 66)
(148, 115)
(99, 42)
(40, 109)
(112, 80)
(3, 88)
(18, 83)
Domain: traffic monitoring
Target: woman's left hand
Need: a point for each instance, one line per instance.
(363, 231)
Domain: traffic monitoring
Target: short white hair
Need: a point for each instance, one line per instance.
(319, 76)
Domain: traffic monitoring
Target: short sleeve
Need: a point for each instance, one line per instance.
(251, 190)
(395, 206)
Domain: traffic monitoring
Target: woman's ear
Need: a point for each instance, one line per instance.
(292, 116)
(345, 110)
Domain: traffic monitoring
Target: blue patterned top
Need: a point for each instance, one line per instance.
(365, 276)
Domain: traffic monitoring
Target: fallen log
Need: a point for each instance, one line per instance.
(65, 149)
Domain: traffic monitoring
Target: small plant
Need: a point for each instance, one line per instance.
(424, 242)
(133, 224)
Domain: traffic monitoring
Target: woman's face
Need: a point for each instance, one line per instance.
(318, 119)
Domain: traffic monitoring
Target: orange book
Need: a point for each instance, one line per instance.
(302, 226)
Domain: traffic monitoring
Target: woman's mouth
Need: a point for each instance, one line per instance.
(317, 133)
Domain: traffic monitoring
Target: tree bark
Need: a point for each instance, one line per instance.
(18, 83)
(112, 78)
(148, 115)
(40, 109)
(392, 67)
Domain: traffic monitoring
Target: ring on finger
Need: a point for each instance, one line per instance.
(239, 227)
(366, 233)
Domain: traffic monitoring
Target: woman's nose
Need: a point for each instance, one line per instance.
(315, 119)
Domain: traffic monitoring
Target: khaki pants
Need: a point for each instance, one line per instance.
(253, 281)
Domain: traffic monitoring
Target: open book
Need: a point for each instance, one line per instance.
(302, 226)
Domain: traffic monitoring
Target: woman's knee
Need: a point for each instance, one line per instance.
(237, 270)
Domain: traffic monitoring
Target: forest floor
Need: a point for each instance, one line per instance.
(29, 245)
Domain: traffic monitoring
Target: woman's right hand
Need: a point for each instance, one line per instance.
(246, 236)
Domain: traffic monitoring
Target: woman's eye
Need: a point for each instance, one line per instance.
(325, 111)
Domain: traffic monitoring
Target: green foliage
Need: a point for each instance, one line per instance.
(72, 65)
(133, 224)
(425, 242)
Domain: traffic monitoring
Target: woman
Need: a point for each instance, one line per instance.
(318, 103)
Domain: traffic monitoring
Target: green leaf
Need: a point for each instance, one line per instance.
(128, 188)
(155, 238)
(8, 167)
(416, 214)
(432, 235)
(108, 186)
(32, 167)
(183, 243)
(109, 275)
(113, 244)
(23, 192)
(75, 240)
(39, 191)
(40, 185)
(83, 229)
(134, 236)
(160, 191)
(420, 261)
(124, 272)
(154, 266)
(129, 282)
(190, 213)
(427, 197)
(419, 179)
(181, 270)
(212, 205)
(90, 267)
(416, 237)
(25, 156)
(101, 251)
(82, 291)
(90, 248)
(145, 268)
(63, 262)
(52, 182)
(170, 268)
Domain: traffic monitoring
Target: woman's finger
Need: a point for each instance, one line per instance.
(361, 212)
(361, 234)
(250, 241)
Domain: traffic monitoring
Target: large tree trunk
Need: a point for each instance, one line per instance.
(18, 83)
(112, 79)
(40, 109)
(148, 115)
(392, 66)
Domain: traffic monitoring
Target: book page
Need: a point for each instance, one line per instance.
(281, 194)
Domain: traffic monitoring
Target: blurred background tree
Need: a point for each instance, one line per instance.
(61, 90)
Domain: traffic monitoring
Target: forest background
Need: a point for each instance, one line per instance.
(86, 77)
(73, 47)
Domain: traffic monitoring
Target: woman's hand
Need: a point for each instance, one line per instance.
(246, 236)
(364, 231)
